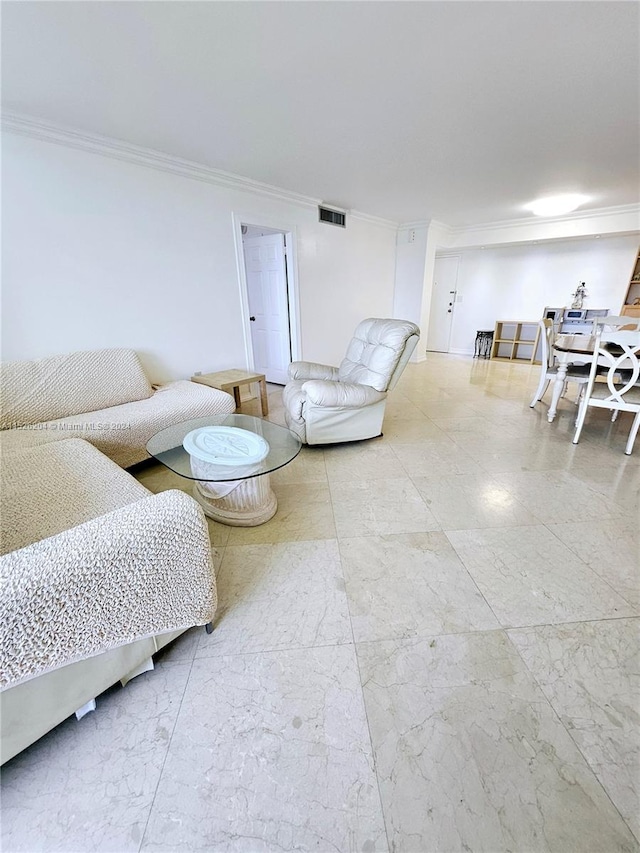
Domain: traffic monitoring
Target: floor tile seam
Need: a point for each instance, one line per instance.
(431, 422)
(377, 480)
(535, 523)
(407, 473)
(374, 759)
(369, 534)
(346, 594)
(166, 756)
(620, 506)
(333, 512)
(431, 635)
(590, 487)
(473, 580)
(222, 549)
(569, 622)
(488, 527)
(366, 711)
(497, 629)
(573, 740)
(271, 651)
(280, 542)
(365, 479)
(587, 566)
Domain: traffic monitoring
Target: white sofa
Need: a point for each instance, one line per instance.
(102, 396)
(97, 572)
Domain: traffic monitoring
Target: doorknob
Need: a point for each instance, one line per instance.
(253, 319)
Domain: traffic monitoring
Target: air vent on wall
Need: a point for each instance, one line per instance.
(333, 217)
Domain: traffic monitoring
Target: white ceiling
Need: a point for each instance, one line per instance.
(458, 111)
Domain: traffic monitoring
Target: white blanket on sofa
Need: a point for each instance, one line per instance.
(92, 560)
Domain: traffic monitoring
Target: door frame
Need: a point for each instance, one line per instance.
(293, 292)
(445, 254)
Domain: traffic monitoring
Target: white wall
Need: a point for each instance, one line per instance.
(411, 249)
(98, 252)
(517, 282)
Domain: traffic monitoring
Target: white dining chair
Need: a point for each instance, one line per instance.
(614, 323)
(549, 369)
(618, 389)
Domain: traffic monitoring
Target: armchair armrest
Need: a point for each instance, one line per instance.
(346, 395)
(141, 570)
(312, 370)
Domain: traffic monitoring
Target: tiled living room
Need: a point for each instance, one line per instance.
(428, 648)
(391, 605)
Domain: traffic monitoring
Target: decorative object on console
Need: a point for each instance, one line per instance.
(579, 295)
(223, 452)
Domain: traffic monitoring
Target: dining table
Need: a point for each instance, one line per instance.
(569, 349)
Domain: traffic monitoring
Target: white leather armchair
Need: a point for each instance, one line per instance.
(327, 405)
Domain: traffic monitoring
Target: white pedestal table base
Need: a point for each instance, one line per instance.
(251, 503)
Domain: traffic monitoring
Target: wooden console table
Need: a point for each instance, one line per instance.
(231, 380)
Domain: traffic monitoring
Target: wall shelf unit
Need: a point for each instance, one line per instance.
(631, 307)
(516, 340)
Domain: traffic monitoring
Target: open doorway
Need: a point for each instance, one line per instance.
(267, 276)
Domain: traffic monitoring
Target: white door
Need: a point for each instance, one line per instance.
(266, 271)
(443, 298)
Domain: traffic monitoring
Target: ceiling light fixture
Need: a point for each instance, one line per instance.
(556, 205)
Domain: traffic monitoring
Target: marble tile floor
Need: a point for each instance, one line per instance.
(432, 647)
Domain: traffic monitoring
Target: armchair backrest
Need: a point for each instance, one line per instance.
(379, 352)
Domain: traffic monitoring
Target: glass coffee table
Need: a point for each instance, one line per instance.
(229, 460)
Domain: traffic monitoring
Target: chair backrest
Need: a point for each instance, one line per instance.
(619, 353)
(614, 322)
(547, 338)
(412, 343)
(378, 352)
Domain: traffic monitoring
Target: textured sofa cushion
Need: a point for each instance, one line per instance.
(375, 351)
(46, 490)
(122, 432)
(63, 385)
(140, 570)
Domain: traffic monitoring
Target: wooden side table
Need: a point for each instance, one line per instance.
(231, 380)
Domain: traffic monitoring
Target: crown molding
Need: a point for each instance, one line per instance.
(129, 153)
(373, 220)
(419, 223)
(528, 221)
(118, 149)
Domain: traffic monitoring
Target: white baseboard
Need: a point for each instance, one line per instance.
(456, 351)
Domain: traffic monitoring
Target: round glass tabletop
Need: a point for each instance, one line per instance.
(167, 447)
